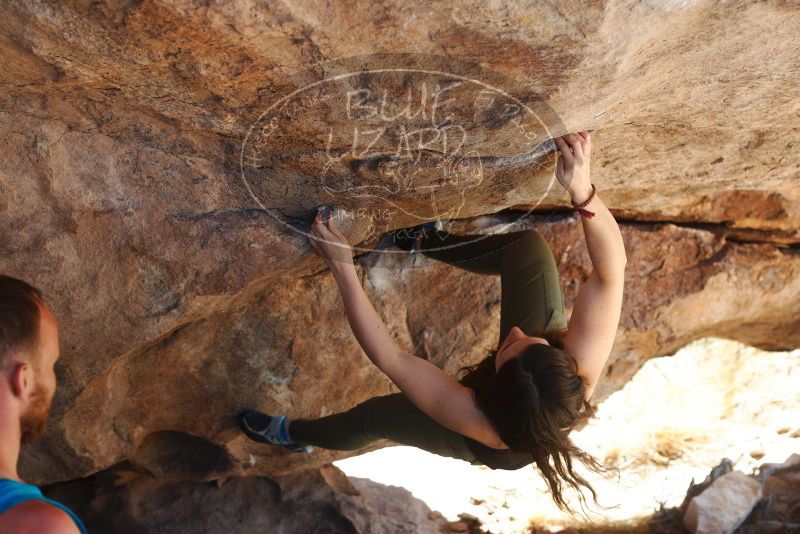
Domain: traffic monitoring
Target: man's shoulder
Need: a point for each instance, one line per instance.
(35, 516)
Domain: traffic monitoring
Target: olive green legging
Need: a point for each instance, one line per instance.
(530, 297)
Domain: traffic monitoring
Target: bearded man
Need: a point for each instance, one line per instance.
(28, 353)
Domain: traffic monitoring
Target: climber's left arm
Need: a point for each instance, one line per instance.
(366, 324)
(327, 240)
(428, 387)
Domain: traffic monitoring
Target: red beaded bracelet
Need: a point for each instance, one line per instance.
(585, 213)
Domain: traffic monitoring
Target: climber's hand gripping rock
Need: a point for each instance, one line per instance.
(328, 242)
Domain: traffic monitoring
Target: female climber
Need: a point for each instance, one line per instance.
(518, 405)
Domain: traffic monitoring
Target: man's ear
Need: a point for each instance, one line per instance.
(21, 378)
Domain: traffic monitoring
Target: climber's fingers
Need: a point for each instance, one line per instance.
(330, 239)
(319, 242)
(581, 141)
(576, 146)
(329, 245)
(587, 142)
(313, 241)
(566, 152)
(335, 229)
(317, 224)
(560, 166)
(330, 232)
(321, 230)
(583, 137)
(315, 232)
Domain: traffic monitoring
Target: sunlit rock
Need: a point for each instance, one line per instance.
(182, 299)
(724, 505)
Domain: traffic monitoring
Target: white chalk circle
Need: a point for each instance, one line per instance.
(384, 134)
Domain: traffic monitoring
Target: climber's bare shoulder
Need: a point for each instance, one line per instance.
(37, 517)
(593, 326)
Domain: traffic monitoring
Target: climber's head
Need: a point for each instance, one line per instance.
(28, 352)
(532, 394)
(538, 395)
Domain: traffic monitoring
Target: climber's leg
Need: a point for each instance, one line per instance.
(531, 287)
(531, 295)
(476, 253)
(392, 417)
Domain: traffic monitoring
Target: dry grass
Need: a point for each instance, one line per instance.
(639, 526)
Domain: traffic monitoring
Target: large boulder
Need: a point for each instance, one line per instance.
(178, 270)
(730, 501)
(724, 505)
(123, 501)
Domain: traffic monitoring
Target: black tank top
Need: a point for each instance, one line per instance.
(498, 458)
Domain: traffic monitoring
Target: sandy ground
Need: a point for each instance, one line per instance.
(672, 423)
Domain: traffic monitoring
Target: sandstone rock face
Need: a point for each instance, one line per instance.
(181, 391)
(185, 293)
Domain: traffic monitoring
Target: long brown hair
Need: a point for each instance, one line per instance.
(533, 402)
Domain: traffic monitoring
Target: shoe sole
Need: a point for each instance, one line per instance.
(245, 428)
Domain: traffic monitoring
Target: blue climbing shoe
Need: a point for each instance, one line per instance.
(269, 429)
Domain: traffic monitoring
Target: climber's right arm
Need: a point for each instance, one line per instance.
(595, 316)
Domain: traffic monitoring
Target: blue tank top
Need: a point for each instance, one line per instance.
(13, 493)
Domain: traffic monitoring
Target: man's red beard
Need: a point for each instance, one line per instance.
(33, 422)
